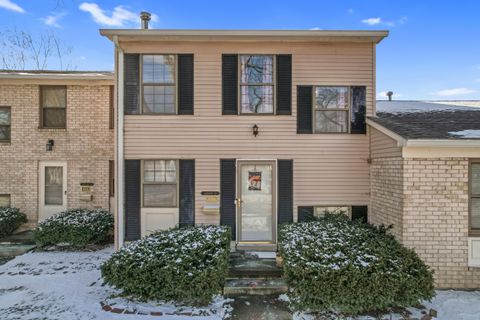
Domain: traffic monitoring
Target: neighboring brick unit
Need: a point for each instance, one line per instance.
(436, 218)
(386, 193)
(86, 144)
(426, 200)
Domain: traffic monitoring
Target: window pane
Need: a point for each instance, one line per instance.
(158, 69)
(159, 99)
(53, 185)
(256, 69)
(475, 220)
(331, 121)
(331, 97)
(4, 117)
(159, 195)
(257, 99)
(4, 133)
(54, 118)
(4, 200)
(53, 97)
(321, 211)
(475, 178)
(171, 171)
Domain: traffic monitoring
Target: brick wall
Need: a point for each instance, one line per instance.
(386, 193)
(435, 219)
(86, 145)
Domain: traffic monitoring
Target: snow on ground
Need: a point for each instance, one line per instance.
(466, 134)
(68, 285)
(449, 304)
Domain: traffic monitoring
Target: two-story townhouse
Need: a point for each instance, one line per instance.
(249, 129)
(56, 141)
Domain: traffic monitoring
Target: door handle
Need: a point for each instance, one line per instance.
(238, 202)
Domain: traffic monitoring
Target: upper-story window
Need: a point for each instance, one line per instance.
(53, 104)
(159, 84)
(256, 84)
(331, 110)
(475, 198)
(5, 124)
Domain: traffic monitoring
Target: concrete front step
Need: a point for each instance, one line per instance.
(260, 268)
(7, 250)
(251, 286)
(24, 237)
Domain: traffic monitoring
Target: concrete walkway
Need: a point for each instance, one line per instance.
(260, 308)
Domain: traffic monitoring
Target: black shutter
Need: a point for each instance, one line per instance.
(229, 83)
(187, 193)
(304, 109)
(359, 109)
(131, 83)
(285, 191)
(360, 213)
(284, 84)
(227, 194)
(305, 214)
(132, 199)
(185, 84)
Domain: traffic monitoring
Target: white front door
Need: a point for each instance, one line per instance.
(53, 188)
(256, 202)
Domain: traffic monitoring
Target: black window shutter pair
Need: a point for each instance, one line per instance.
(305, 213)
(132, 83)
(305, 109)
(230, 84)
(133, 196)
(228, 193)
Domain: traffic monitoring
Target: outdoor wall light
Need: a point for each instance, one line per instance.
(255, 130)
(50, 144)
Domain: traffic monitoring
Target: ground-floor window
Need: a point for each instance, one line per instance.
(475, 198)
(4, 200)
(160, 183)
(320, 211)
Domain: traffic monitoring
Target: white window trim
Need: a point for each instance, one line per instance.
(160, 183)
(348, 109)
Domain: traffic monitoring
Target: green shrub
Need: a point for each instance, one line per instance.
(187, 265)
(336, 264)
(10, 220)
(77, 227)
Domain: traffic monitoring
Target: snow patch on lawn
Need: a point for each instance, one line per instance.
(466, 134)
(68, 285)
(449, 304)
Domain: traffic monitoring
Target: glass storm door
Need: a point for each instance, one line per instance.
(256, 193)
(53, 189)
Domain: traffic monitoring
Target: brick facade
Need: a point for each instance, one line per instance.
(435, 219)
(86, 145)
(426, 199)
(386, 193)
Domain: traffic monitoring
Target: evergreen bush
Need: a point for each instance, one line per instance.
(10, 220)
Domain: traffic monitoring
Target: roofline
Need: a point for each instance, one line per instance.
(57, 75)
(244, 35)
(403, 142)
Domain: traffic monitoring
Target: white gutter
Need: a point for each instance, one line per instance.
(119, 150)
(434, 143)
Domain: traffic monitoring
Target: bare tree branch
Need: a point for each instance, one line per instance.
(20, 50)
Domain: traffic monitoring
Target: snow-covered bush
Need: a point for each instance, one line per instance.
(77, 227)
(336, 264)
(186, 265)
(10, 220)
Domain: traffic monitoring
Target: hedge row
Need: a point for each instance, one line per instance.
(184, 265)
(10, 220)
(337, 264)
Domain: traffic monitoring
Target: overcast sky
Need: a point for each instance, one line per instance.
(433, 51)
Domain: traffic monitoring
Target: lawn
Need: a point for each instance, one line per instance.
(61, 285)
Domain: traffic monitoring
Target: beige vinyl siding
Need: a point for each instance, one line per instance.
(382, 146)
(329, 169)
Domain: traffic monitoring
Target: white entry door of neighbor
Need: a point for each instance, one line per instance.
(53, 188)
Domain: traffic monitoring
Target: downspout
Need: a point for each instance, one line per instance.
(119, 149)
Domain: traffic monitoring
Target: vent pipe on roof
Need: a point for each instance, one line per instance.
(145, 18)
(389, 95)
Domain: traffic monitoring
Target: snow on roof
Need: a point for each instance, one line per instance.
(399, 106)
(466, 134)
